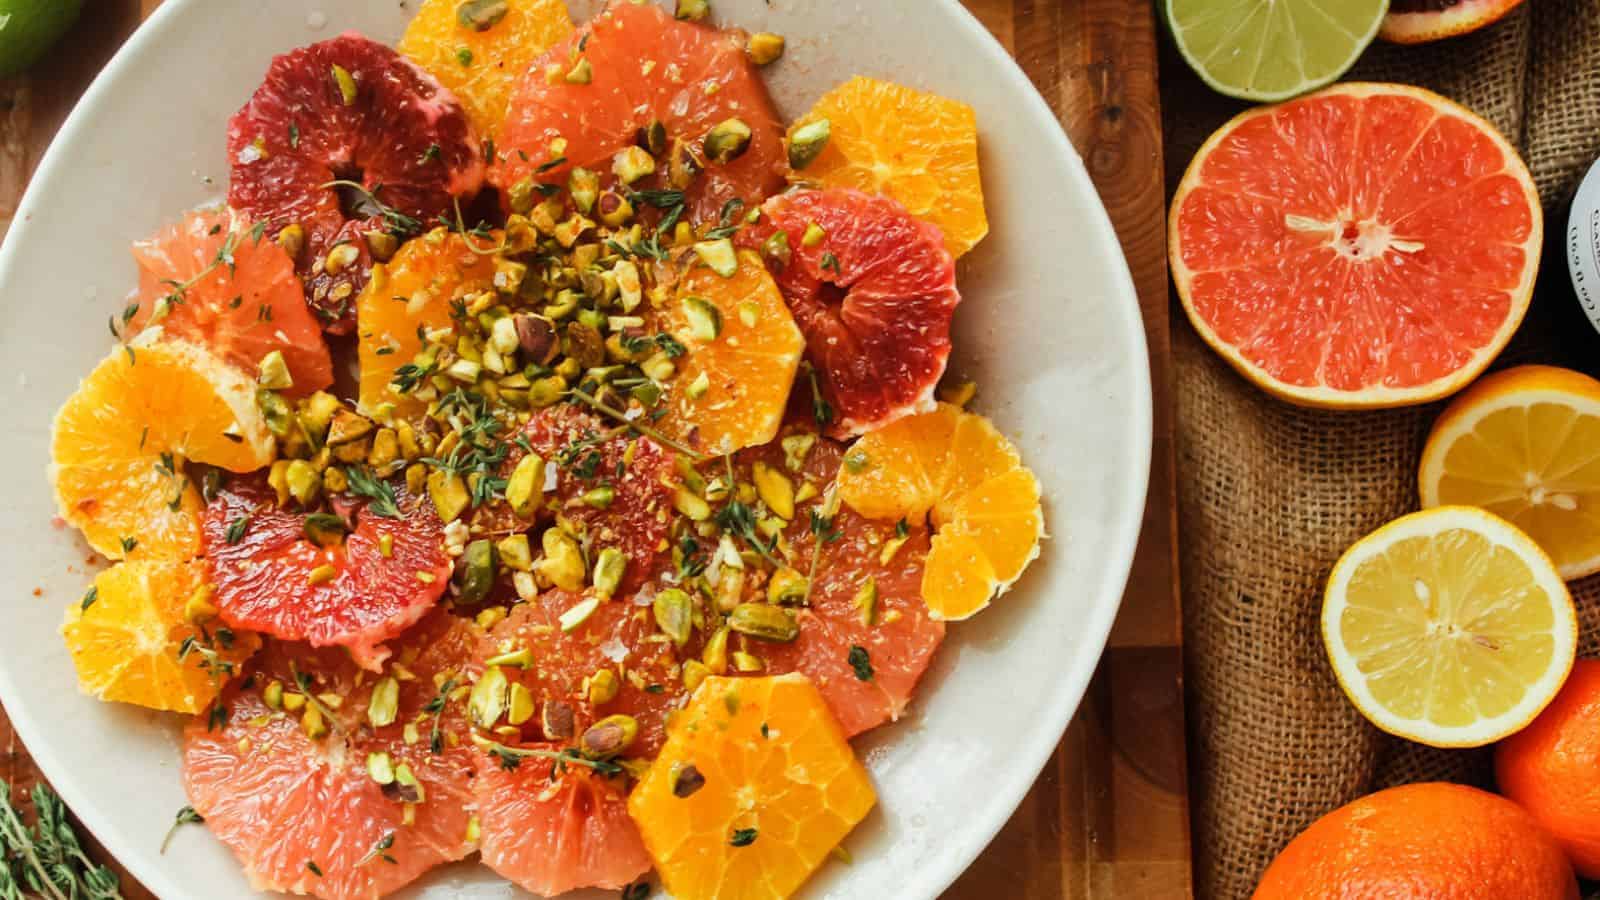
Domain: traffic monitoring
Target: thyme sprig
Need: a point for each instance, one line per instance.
(400, 224)
(593, 403)
(48, 860)
(511, 757)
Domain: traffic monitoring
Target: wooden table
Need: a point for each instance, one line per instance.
(1108, 817)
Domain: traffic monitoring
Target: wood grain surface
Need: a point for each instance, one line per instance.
(1108, 817)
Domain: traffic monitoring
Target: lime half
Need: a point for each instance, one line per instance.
(1270, 50)
(29, 28)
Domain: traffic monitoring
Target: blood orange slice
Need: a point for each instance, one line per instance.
(873, 290)
(643, 67)
(348, 110)
(866, 657)
(215, 281)
(388, 571)
(310, 789)
(553, 831)
(1369, 245)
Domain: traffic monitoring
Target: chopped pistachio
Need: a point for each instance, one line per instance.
(684, 163)
(629, 289)
(747, 662)
(525, 487)
(764, 621)
(293, 702)
(581, 72)
(382, 245)
(674, 615)
(653, 137)
(562, 564)
(477, 571)
(813, 235)
(719, 255)
(465, 371)
(690, 505)
(547, 391)
(487, 702)
(449, 494)
(386, 545)
(273, 372)
(632, 163)
(556, 720)
(775, 490)
(346, 84)
(775, 250)
(380, 767)
(584, 186)
(698, 387)
(481, 15)
(764, 47)
(348, 426)
(750, 311)
(519, 705)
(715, 652)
(866, 601)
(520, 196)
(600, 497)
(608, 569)
(514, 552)
(958, 394)
(325, 529)
(614, 209)
(199, 609)
(292, 239)
(272, 694)
(705, 320)
(787, 586)
(727, 141)
(694, 672)
(889, 549)
(795, 449)
(275, 412)
(340, 258)
(692, 10)
(312, 723)
(609, 737)
(659, 366)
(602, 687)
(384, 704)
(573, 618)
(322, 575)
(521, 658)
(304, 482)
(807, 143)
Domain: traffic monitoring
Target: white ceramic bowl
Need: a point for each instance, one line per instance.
(1050, 329)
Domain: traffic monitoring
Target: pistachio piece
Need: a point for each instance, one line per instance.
(813, 235)
(348, 426)
(614, 209)
(480, 15)
(705, 320)
(272, 694)
(313, 724)
(380, 767)
(341, 258)
(807, 143)
(659, 366)
(275, 411)
(684, 163)
(562, 565)
(580, 73)
(273, 372)
(764, 47)
(715, 652)
(719, 255)
(652, 137)
(345, 83)
(690, 505)
(487, 702)
(775, 250)
(608, 569)
(547, 391)
(795, 449)
(692, 10)
(787, 586)
(632, 163)
(866, 601)
(322, 575)
(557, 721)
(508, 278)
(536, 336)
(382, 245)
(384, 704)
(674, 614)
(449, 494)
(304, 481)
(686, 781)
(584, 186)
(764, 622)
(602, 687)
(278, 480)
(519, 705)
(514, 553)
(694, 673)
(292, 238)
(609, 737)
(747, 662)
(525, 487)
(410, 789)
(599, 497)
(199, 609)
(325, 529)
(959, 393)
(727, 141)
(477, 571)
(775, 490)
(698, 387)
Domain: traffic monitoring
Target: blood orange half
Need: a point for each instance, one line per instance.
(214, 280)
(317, 813)
(386, 573)
(643, 67)
(1370, 245)
(873, 290)
(352, 111)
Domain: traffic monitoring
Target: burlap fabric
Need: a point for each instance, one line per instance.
(1271, 494)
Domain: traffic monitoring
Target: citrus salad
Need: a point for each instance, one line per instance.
(543, 454)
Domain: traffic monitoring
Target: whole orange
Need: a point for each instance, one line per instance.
(1435, 841)
(1552, 767)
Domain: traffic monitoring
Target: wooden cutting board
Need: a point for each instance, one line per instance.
(1109, 815)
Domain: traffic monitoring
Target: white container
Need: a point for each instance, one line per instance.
(1583, 244)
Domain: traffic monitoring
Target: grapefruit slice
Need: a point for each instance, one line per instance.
(873, 291)
(1370, 245)
(866, 664)
(553, 831)
(1420, 21)
(264, 564)
(644, 67)
(215, 280)
(308, 815)
(348, 110)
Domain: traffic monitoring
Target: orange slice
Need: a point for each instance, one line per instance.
(754, 788)
(120, 442)
(954, 466)
(919, 148)
(733, 387)
(413, 291)
(130, 642)
(1524, 444)
(481, 59)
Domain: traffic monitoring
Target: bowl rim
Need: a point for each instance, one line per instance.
(1065, 696)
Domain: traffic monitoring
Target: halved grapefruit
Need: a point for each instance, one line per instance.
(643, 67)
(272, 578)
(308, 814)
(217, 281)
(1370, 245)
(345, 138)
(873, 290)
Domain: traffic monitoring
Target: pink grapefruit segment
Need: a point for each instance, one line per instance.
(1369, 245)
(1420, 21)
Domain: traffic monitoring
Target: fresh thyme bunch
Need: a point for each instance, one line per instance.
(48, 860)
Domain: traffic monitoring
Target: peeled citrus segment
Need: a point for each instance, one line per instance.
(1369, 245)
(297, 797)
(919, 148)
(307, 128)
(217, 281)
(481, 59)
(873, 290)
(642, 66)
(553, 832)
(1272, 51)
(733, 387)
(120, 442)
(984, 503)
(1524, 444)
(411, 293)
(1449, 627)
(781, 789)
(128, 638)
